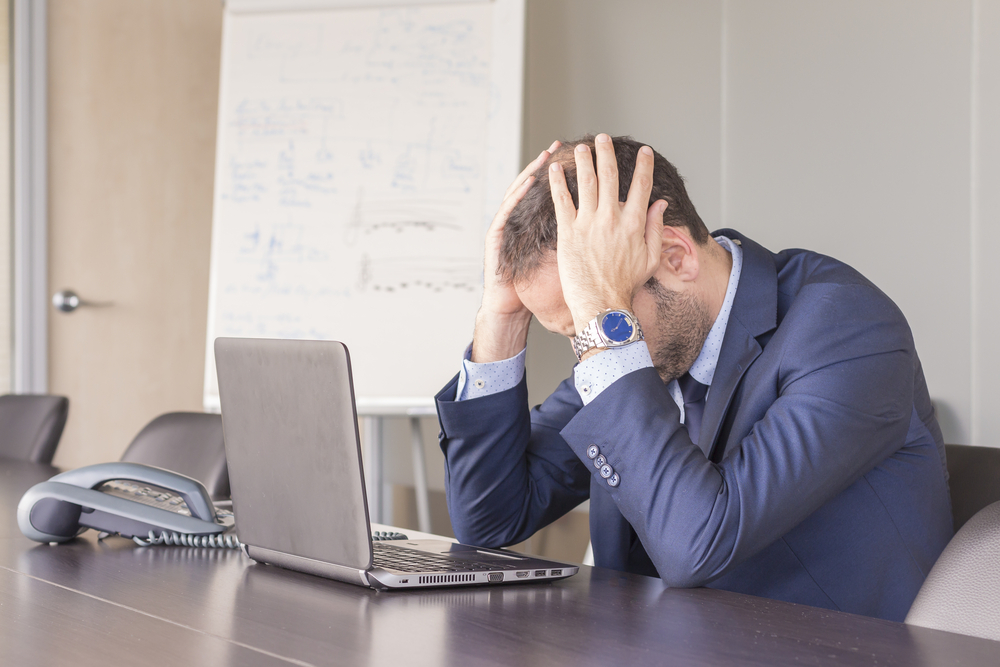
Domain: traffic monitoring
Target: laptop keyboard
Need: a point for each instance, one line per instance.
(392, 557)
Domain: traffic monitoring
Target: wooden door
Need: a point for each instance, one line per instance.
(133, 89)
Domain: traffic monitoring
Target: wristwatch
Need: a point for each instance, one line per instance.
(612, 328)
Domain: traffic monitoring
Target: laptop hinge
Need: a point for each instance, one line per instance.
(308, 565)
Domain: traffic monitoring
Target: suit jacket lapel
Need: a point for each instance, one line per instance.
(754, 312)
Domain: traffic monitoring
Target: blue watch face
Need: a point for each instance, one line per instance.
(616, 327)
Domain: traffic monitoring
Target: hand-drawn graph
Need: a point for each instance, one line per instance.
(352, 162)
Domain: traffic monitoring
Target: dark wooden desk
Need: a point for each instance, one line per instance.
(87, 602)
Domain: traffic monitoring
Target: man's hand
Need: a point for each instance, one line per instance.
(606, 250)
(502, 321)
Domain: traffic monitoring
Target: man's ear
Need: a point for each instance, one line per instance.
(679, 254)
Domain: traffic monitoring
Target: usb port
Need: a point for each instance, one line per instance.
(556, 573)
(539, 573)
(522, 575)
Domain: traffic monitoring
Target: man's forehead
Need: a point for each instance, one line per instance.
(542, 295)
(543, 278)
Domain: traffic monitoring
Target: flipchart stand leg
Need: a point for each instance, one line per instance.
(373, 467)
(420, 476)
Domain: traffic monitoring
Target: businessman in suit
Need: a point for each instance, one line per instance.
(739, 419)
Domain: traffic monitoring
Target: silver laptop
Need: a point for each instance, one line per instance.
(297, 481)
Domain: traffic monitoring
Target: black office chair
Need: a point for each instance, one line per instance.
(31, 425)
(974, 479)
(961, 592)
(190, 443)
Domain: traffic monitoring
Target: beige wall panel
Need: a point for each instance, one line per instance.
(6, 288)
(133, 89)
(847, 132)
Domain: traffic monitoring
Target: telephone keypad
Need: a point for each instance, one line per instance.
(160, 498)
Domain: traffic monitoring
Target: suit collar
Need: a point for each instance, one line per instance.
(756, 303)
(754, 313)
(703, 369)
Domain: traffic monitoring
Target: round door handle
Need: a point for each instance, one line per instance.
(66, 301)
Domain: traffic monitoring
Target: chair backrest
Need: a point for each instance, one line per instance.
(31, 425)
(190, 443)
(974, 474)
(961, 592)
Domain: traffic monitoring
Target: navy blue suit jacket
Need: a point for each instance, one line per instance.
(819, 477)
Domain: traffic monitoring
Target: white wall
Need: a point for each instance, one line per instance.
(985, 223)
(863, 129)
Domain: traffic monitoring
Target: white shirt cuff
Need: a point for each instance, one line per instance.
(598, 373)
(477, 380)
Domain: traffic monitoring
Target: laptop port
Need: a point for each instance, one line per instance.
(539, 573)
(522, 575)
(556, 573)
(494, 577)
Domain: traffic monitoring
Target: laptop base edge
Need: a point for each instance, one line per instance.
(308, 565)
(385, 580)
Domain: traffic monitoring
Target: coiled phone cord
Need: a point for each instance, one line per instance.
(226, 540)
(219, 541)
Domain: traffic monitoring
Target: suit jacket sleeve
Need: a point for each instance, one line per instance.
(845, 387)
(508, 472)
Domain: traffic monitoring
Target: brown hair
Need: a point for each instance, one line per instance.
(530, 232)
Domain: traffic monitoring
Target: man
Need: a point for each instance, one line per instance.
(772, 433)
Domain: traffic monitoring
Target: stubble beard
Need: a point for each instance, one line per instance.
(683, 323)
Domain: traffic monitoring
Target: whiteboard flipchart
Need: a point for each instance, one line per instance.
(361, 153)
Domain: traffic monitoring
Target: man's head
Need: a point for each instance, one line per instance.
(530, 233)
(676, 307)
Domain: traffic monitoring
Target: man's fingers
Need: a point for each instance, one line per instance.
(586, 179)
(508, 204)
(515, 193)
(607, 172)
(528, 171)
(642, 184)
(654, 235)
(565, 211)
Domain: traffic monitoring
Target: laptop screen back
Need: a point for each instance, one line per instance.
(293, 449)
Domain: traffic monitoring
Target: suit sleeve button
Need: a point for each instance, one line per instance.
(607, 471)
(593, 451)
(614, 480)
(600, 462)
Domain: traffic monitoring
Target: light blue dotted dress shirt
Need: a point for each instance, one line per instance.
(601, 370)
(475, 380)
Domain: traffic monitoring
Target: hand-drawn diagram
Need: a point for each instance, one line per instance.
(434, 274)
(401, 215)
(351, 176)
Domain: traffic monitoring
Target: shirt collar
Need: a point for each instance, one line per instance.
(703, 369)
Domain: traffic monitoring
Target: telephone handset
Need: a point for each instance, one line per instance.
(151, 505)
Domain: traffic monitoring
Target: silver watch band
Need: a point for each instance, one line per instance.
(586, 339)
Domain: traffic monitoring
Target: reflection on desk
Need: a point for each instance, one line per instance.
(86, 601)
